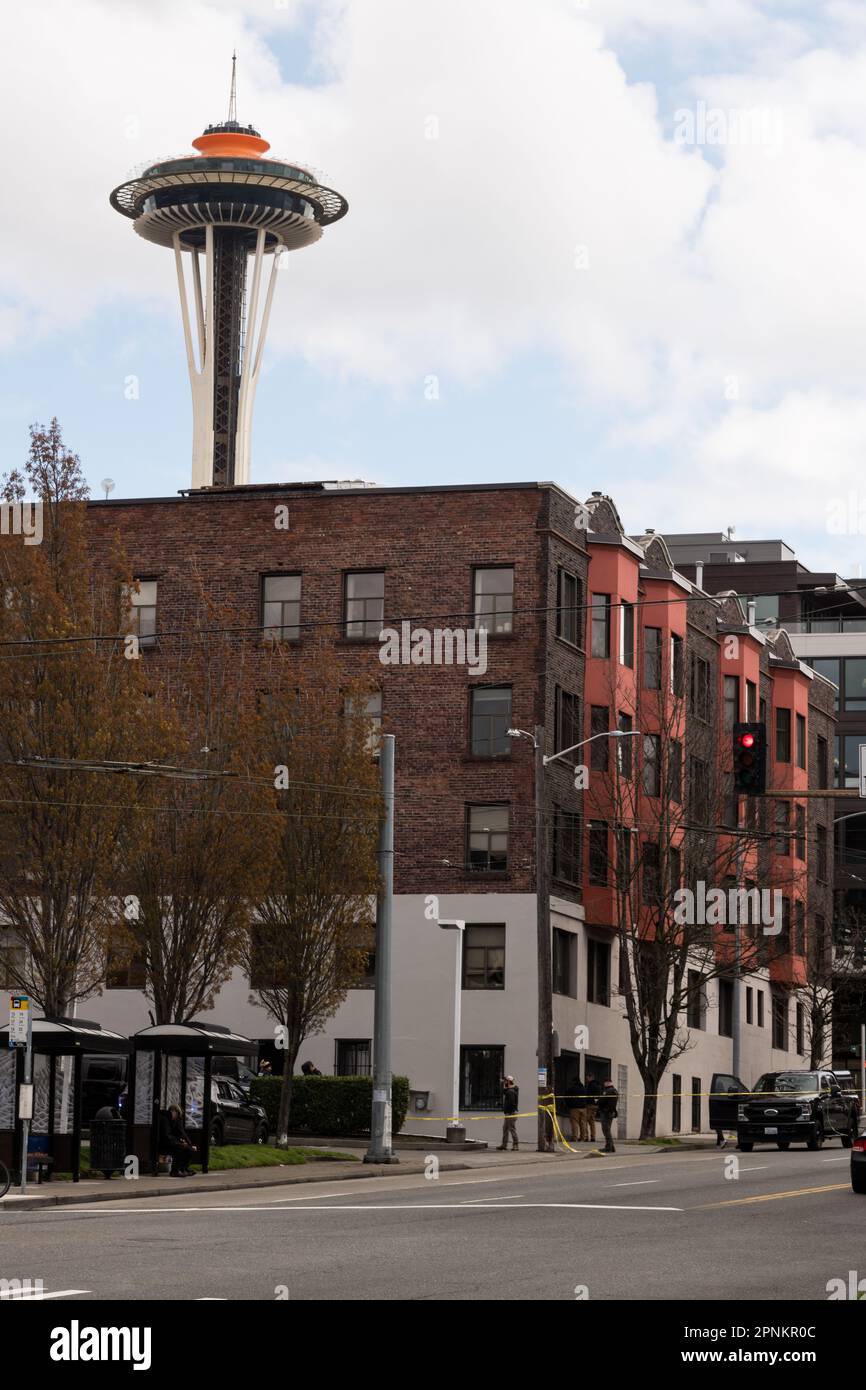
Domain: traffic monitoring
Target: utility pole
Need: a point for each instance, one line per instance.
(380, 1122)
(545, 996)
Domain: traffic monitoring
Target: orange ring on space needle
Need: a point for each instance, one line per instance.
(231, 144)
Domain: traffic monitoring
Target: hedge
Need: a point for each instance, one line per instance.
(330, 1105)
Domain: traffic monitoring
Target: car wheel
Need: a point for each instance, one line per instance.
(858, 1179)
(262, 1134)
(783, 1143)
(745, 1145)
(817, 1140)
(216, 1135)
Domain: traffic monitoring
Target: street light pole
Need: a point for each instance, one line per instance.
(545, 981)
(380, 1121)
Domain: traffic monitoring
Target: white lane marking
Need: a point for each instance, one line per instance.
(472, 1201)
(758, 1168)
(396, 1206)
(644, 1183)
(844, 1159)
(40, 1297)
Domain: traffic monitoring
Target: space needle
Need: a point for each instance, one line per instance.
(227, 208)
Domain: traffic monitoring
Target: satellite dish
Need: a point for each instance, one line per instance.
(108, 485)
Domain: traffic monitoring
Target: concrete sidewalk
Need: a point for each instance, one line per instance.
(62, 1194)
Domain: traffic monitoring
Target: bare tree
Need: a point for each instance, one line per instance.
(312, 932)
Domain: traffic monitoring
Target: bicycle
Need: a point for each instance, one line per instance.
(5, 1180)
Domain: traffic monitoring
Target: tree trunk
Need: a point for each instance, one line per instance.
(286, 1099)
(650, 1106)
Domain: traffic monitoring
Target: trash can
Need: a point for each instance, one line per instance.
(107, 1144)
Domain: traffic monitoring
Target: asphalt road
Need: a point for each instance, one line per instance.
(660, 1226)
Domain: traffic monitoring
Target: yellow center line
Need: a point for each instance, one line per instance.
(773, 1196)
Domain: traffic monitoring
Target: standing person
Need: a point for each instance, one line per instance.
(577, 1111)
(509, 1110)
(593, 1096)
(607, 1114)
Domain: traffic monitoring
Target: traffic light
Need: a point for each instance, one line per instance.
(750, 759)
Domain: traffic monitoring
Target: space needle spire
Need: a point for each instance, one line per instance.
(224, 210)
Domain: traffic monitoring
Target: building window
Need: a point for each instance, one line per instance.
(726, 1008)
(484, 957)
(12, 962)
(598, 972)
(652, 764)
(801, 740)
(626, 635)
(783, 735)
(699, 790)
(623, 860)
(281, 607)
(801, 1029)
(600, 625)
(800, 830)
(563, 962)
(780, 1021)
(821, 846)
(855, 682)
(799, 927)
(675, 774)
(365, 605)
(696, 1008)
(699, 687)
(676, 665)
(599, 723)
(598, 853)
(676, 1104)
(491, 719)
(125, 966)
(368, 707)
(751, 702)
(697, 1090)
(568, 605)
(651, 873)
(759, 993)
(352, 1057)
(783, 822)
(566, 845)
(481, 1072)
(823, 762)
(652, 658)
(732, 701)
(675, 859)
(488, 838)
(494, 600)
(624, 755)
(750, 1004)
(141, 612)
(567, 720)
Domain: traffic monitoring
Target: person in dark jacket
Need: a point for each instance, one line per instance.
(308, 1069)
(577, 1110)
(607, 1114)
(175, 1141)
(509, 1111)
(593, 1096)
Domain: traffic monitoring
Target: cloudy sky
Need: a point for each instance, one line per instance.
(614, 244)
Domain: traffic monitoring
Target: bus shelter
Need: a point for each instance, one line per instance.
(55, 1132)
(172, 1064)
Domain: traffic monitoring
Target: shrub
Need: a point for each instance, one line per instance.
(330, 1104)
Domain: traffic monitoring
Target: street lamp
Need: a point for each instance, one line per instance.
(542, 918)
(454, 1131)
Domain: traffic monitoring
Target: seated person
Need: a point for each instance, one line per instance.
(174, 1140)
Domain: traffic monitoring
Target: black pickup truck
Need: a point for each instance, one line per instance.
(796, 1107)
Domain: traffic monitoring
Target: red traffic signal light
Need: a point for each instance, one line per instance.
(750, 759)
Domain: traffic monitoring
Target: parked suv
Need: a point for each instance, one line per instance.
(796, 1107)
(234, 1119)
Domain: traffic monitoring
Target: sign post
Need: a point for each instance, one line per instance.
(21, 1035)
(862, 751)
